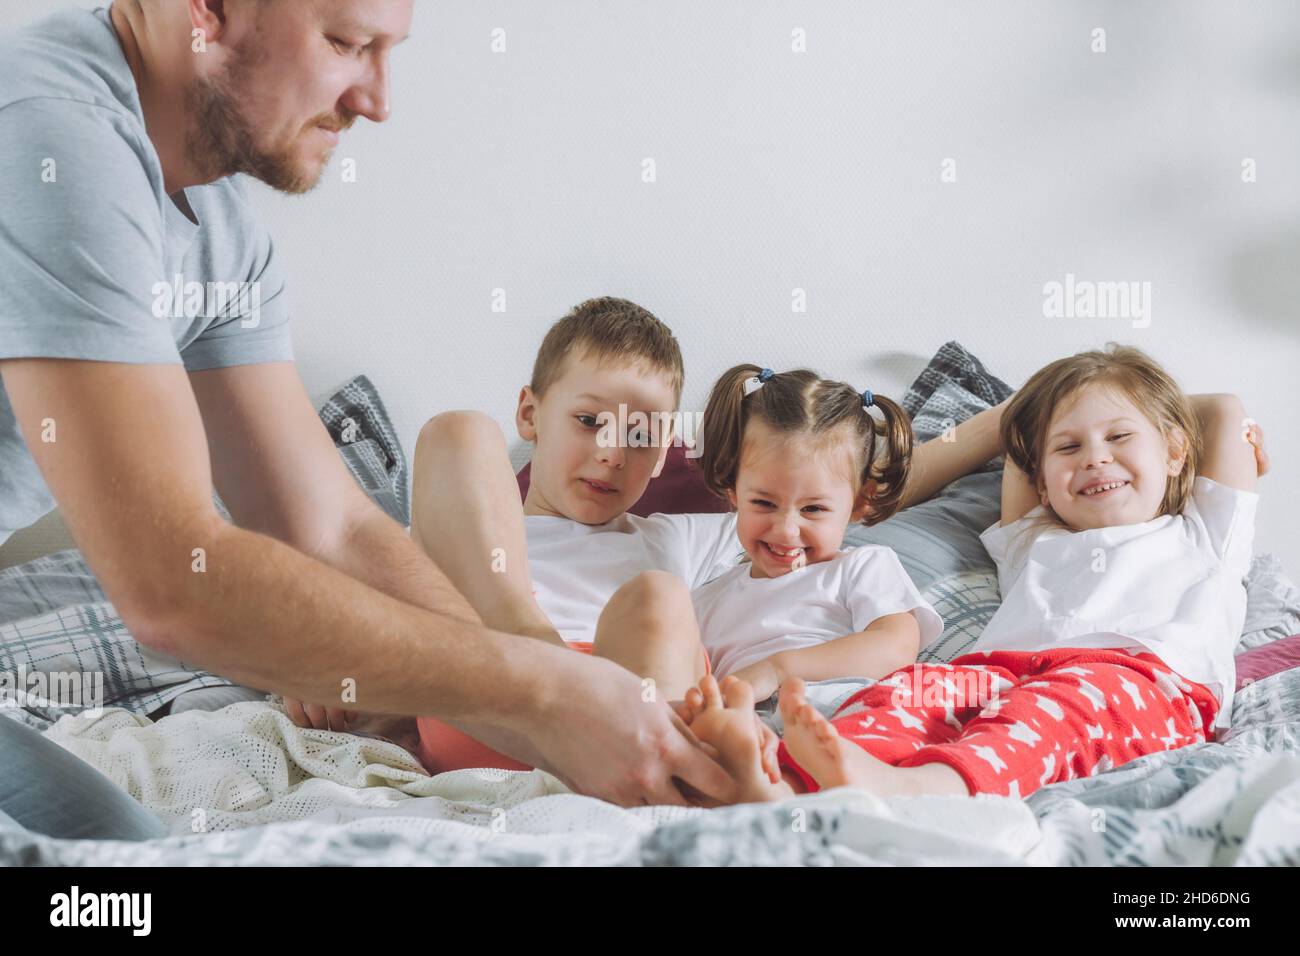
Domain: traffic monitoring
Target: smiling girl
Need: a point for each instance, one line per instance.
(1127, 523)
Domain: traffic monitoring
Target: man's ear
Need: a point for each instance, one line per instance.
(208, 16)
(526, 415)
(862, 505)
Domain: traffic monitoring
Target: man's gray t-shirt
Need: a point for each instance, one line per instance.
(96, 260)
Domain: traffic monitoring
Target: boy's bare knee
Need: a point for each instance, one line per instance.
(656, 589)
(459, 429)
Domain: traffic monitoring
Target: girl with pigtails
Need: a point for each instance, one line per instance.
(799, 457)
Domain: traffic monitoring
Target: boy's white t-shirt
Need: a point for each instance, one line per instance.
(576, 568)
(745, 619)
(1171, 586)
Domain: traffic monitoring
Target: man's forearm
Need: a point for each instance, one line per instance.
(270, 616)
(377, 551)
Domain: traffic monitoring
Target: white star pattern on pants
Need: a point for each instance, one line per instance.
(1022, 732)
(990, 757)
(1049, 768)
(1052, 708)
(1134, 693)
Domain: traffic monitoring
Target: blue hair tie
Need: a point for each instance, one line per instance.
(758, 381)
(867, 398)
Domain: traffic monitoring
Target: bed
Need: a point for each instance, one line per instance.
(242, 785)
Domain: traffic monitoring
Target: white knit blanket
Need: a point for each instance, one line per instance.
(248, 765)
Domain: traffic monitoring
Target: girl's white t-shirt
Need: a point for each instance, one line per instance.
(1171, 586)
(576, 568)
(745, 619)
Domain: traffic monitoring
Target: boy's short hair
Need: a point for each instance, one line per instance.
(609, 330)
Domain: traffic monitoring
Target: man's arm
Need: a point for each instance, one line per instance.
(244, 604)
(281, 474)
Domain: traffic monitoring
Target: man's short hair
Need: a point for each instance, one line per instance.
(609, 330)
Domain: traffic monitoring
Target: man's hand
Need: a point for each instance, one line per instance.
(603, 740)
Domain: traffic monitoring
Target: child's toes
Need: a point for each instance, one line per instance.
(826, 732)
(694, 703)
(791, 699)
(807, 715)
(739, 695)
(710, 696)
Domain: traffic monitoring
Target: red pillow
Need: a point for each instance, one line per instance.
(679, 489)
(1273, 658)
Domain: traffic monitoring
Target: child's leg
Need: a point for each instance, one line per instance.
(649, 627)
(467, 516)
(878, 728)
(1076, 713)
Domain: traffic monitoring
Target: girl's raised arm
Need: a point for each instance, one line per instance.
(1018, 495)
(941, 461)
(1230, 456)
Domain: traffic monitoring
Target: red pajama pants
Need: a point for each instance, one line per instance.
(1012, 721)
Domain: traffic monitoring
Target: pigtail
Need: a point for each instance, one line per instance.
(889, 461)
(723, 429)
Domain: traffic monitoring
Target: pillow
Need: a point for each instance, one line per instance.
(679, 489)
(1267, 660)
(1272, 603)
(358, 422)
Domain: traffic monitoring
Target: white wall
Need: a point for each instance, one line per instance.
(817, 170)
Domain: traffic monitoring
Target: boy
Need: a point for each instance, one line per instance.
(578, 570)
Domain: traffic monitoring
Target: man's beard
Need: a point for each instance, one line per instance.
(221, 141)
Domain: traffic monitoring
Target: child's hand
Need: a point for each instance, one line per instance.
(763, 677)
(1252, 433)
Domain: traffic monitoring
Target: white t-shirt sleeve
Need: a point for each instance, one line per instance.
(875, 585)
(695, 547)
(711, 546)
(1008, 546)
(1226, 518)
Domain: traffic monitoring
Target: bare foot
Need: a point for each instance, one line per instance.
(724, 719)
(832, 761)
